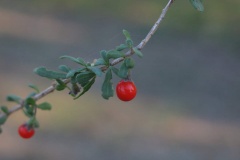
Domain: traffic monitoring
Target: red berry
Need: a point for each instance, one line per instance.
(126, 90)
(25, 132)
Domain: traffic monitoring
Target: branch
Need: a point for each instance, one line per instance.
(155, 26)
(114, 62)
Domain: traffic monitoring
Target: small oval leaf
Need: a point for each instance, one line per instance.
(115, 70)
(34, 87)
(32, 94)
(114, 54)
(30, 101)
(13, 98)
(121, 47)
(107, 87)
(129, 63)
(99, 61)
(129, 43)
(81, 61)
(71, 73)
(123, 71)
(64, 68)
(76, 60)
(126, 34)
(28, 110)
(43, 72)
(197, 4)
(84, 78)
(95, 70)
(33, 122)
(103, 54)
(86, 87)
(60, 87)
(4, 109)
(60, 82)
(45, 106)
(138, 52)
(3, 119)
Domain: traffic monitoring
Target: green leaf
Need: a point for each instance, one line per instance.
(34, 87)
(99, 61)
(73, 79)
(84, 78)
(95, 70)
(121, 47)
(86, 87)
(61, 85)
(197, 4)
(14, 98)
(107, 87)
(33, 122)
(29, 107)
(43, 72)
(115, 70)
(123, 71)
(4, 109)
(76, 60)
(45, 106)
(60, 82)
(114, 54)
(81, 61)
(138, 52)
(28, 110)
(3, 119)
(31, 94)
(103, 54)
(0, 130)
(30, 101)
(64, 68)
(129, 63)
(71, 73)
(129, 43)
(126, 34)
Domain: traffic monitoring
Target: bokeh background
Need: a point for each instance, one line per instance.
(187, 105)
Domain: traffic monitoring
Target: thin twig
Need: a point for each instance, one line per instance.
(114, 62)
(38, 96)
(155, 26)
(149, 35)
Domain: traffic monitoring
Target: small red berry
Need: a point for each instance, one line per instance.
(25, 132)
(126, 90)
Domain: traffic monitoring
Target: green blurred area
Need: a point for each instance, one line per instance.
(218, 16)
(187, 105)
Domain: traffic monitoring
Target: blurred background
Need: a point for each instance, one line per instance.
(187, 105)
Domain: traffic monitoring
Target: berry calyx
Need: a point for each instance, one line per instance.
(25, 131)
(126, 90)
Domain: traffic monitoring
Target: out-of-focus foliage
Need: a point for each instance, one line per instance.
(217, 16)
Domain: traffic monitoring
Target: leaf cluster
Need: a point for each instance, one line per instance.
(83, 77)
(29, 107)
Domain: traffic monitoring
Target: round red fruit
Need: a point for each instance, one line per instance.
(25, 132)
(126, 90)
